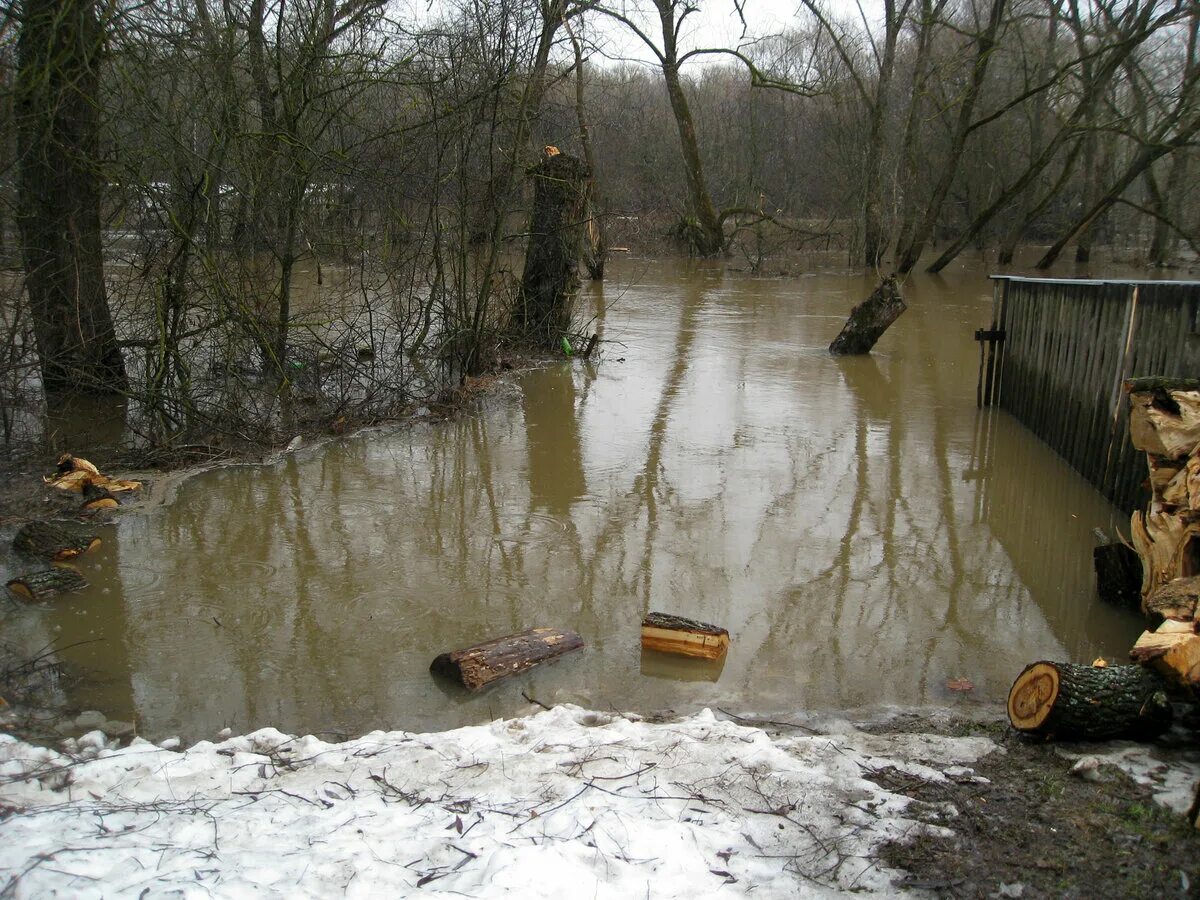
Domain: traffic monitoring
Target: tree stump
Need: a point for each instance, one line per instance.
(50, 541)
(551, 280)
(478, 666)
(870, 319)
(47, 583)
(1118, 575)
(1088, 703)
(684, 637)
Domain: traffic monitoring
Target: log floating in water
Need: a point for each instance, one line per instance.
(685, 637)
(1090, 703)
(50, 541)
(47, 583)
(870, 319)
(475, 667)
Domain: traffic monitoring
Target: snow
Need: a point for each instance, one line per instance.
(568, 802)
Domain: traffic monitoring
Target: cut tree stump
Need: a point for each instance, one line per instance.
(684, 637)
(1088, 703)
(870, 319)
(1164, 415)
(50, 541)
(1118, 574)
(1173, 649)
(47, 583)
(475, 667)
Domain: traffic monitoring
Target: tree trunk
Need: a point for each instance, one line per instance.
(870, 319)
(709, 239)
(551, 279)
(1088, 703)
(478, 666)
(58, 126)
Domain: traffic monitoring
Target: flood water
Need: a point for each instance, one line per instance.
(863, 532)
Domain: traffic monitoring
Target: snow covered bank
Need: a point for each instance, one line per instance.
(565, 803)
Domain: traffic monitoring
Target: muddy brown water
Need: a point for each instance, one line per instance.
(863, 532)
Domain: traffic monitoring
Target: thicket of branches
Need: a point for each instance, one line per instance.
(312, 209)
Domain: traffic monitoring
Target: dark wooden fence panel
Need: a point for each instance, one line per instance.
(1068, 345)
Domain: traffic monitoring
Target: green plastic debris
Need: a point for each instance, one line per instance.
(566, 345)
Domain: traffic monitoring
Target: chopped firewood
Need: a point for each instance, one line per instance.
(475, 667)
(685, 637)
(97, 497)
(50, 541)
(73, 473)
(1163, 421)
(47, 583)
(1174, 600)
(1073, 702)
(1172, 649)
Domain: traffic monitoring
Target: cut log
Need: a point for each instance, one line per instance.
(685, 637)
(50, 541)
(1163, 421)
(1173, 649)
(47, 583)
(97, 497)
(1118, 574)
(1174, 600)
(870, 319)
(475, 667)
(1088, 703)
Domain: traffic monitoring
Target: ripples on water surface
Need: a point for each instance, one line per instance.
(863, 533)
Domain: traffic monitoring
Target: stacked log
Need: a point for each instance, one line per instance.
(1164, 423)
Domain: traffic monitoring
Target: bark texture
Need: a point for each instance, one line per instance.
(58, 127)
(46, 583)
(478, 666)
(870, 319)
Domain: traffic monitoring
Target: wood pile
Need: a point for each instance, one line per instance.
(1164, 423)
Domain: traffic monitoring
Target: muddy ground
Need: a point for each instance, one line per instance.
(1037, 830)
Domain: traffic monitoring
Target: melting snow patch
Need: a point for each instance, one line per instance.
(564, 803)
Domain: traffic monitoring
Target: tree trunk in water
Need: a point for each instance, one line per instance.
(49, 541)
(683, 637)
(1089, 703)
(595, 249)
(551, 278)
(710, 238)
(870, 319)
(58, 125)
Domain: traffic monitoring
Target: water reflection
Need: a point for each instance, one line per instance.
(859, 528)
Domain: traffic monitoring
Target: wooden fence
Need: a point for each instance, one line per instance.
(1058, 351)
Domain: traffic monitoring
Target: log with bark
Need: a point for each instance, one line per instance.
(684, 637)
(50, 541)
(47, 583)
(870, 319)
(1089, 703)
(480, 665)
